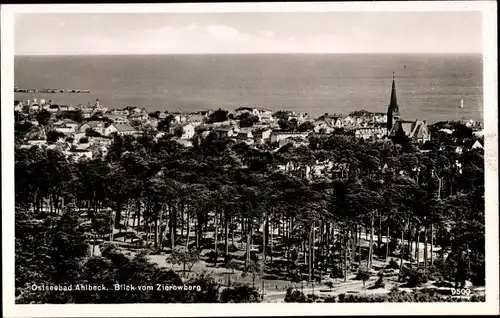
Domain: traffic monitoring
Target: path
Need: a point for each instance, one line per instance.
(343, 287)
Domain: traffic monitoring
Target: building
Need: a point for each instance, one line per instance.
(261, 135)
(64, 129)
(245, 134)
(120, 112)
(393, 110)
(223, 132)
(477, 145)
(118, 119)
(276, 136)
(53, 108)
(188, 130)
(398, 128)
(196, 120)
(120, 129)
(371, 132)
(416, 130)
(18, 107)
(78, 154)
(323, 126)
(98, 126)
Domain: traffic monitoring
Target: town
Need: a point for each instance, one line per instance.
(86, 131)
(280, 198)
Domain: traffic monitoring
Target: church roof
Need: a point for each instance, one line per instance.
(412, 129)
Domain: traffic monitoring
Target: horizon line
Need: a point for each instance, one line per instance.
(259, 53)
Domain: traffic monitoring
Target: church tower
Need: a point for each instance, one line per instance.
(393, 110)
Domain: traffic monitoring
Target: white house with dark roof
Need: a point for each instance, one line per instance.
(323, 126)
(371, 132)
(225, 131)
(98, 126)
(120, 129)
(188, 130)
(276, 136)
(261, 135)
(65, 129)
(244, 133)
(120, 112)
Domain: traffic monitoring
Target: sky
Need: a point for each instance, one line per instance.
(229, 33)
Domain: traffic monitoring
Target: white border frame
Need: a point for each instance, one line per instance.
(491, 306)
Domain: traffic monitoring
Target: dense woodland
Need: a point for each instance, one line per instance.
(223, 196)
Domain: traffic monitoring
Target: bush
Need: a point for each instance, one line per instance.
(253, 256)
(330, 299)
(379, 283)
(336, 272)
(329, 284)
(416, 296)
(228, 258)
(212, 255)
(240, 293)
(392, 264)
(416, 278)
(363, 275)
(155, 251)
(295, 296)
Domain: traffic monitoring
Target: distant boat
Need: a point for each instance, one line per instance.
(462, 103)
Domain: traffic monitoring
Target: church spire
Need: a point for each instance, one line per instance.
(393, 105)
(393, 109)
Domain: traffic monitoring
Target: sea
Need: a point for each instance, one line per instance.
(429, 87)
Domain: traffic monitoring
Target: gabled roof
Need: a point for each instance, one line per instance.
(195, 118)
(323, 122)
(124, 127)
(224, 128)
(477, 144)
(411, 129)
(95, 123)
(245, 130)
(239, 109)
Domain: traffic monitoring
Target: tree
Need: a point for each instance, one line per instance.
(90, 132)
(184, 257)
(53, 136)
(288, 125)
(306, 126)
(43, 117)
(252, 269)
(240, 293)
(217, 116)
(75, 115)
(154, 114)
(164, 125)
(179, 131)
(295, 296)
(363, 275)
(232, 265)
(248, 120)
(281, 115)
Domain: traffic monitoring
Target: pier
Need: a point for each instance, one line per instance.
(50, 90)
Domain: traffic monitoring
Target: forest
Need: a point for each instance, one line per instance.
(221, 196)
